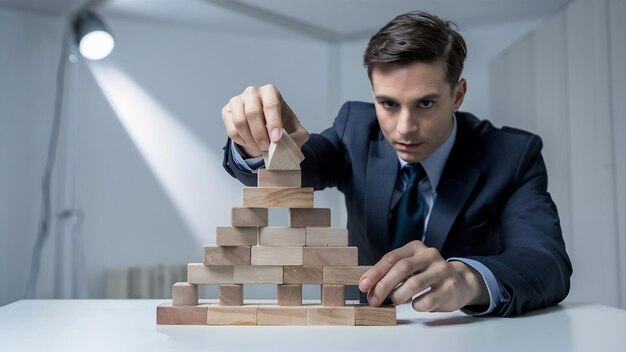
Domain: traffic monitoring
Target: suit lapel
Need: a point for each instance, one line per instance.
(382, 169)
(457, 182)
(451, 196)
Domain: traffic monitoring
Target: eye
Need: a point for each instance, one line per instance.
(426, 104)
(388, 104)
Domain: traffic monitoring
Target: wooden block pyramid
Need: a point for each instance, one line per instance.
(308, 251)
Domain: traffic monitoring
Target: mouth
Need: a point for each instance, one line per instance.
(407, 146)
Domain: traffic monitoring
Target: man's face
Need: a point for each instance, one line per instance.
(414, 106)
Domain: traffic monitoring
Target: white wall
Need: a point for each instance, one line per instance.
(191, 73)
(29, 51)
(484, 43)
(135, 213)
(563, 82)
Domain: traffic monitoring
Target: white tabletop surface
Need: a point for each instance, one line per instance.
(130, 325)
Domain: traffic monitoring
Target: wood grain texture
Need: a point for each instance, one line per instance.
(231, 295)
(333, 295)
(309, 217)
(279, 178)
(168, 314)
(313, 256)
(259, 274)
(198, 273)
(375, 316)
(308, 275)
(236, 236)
(289, 295)
(326, 237)
(282, 315)
(249, 217)
(277, 197)
(216, 255)
(205, 313)
(184, 294)
(276, 255)
(284, 155)
(282, 236)
(231, 315)
(320, 315)
(343, 275)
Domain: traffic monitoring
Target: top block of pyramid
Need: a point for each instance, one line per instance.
(284, 155)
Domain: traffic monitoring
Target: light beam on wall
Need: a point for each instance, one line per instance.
(184, 167)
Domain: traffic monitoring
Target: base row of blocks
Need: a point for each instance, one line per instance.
(272, 315)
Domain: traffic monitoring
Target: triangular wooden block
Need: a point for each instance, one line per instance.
(284, 155)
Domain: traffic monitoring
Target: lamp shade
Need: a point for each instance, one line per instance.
(94, 40)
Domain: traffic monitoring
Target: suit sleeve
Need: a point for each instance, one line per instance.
(532, 266)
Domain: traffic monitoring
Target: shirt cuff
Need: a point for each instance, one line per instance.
(249, 164)
(496, 297)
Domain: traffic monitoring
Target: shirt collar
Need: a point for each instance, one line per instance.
(436, 161)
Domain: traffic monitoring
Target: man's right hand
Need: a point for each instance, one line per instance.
(257, 117)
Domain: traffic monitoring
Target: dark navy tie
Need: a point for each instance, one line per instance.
(407, 217)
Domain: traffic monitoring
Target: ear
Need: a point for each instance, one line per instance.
(459, 94)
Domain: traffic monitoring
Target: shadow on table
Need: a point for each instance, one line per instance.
(449, 321)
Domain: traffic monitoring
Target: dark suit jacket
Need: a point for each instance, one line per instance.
(492, 202)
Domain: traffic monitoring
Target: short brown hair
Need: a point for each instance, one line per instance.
(417, 37)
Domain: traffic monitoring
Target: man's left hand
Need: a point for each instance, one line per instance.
(406, 271)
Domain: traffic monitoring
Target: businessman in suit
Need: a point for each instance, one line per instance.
(452, 212)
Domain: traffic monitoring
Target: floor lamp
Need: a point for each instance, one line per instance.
(92, 39)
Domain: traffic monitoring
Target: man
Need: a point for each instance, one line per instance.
(452, 212)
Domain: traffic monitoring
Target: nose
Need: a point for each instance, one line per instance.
(406, 123)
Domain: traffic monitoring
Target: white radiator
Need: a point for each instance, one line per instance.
(144, 282)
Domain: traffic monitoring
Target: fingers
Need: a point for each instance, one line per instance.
(256, 118)
(443, 298)
(231, 131)
(415, 271)
(413, 285)
(272, 109)
(390, 271)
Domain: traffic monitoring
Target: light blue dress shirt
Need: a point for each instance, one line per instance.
(433, 165)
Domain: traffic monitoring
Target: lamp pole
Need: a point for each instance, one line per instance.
(70, 278)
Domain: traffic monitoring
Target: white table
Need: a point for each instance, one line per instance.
(129, 325)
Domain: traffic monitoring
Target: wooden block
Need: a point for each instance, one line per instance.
(333, 295)
(279, 178)
(215, 255)
(284, 155)
(289, 295)
(329, 256)
(309, 217)
(320, 315)
(326, 237)
(184, 294)
(236, 236)
(249, 217)
(281, 315)
(258, 274)
(368, 315)
(167, 314)
(276, 255)
(198, 273)
(230, 315)
(281, 236)
(277, 197)
(343, 275)
(311, 275)
(231, 295)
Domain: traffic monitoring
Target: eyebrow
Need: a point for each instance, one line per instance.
(432, 96)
